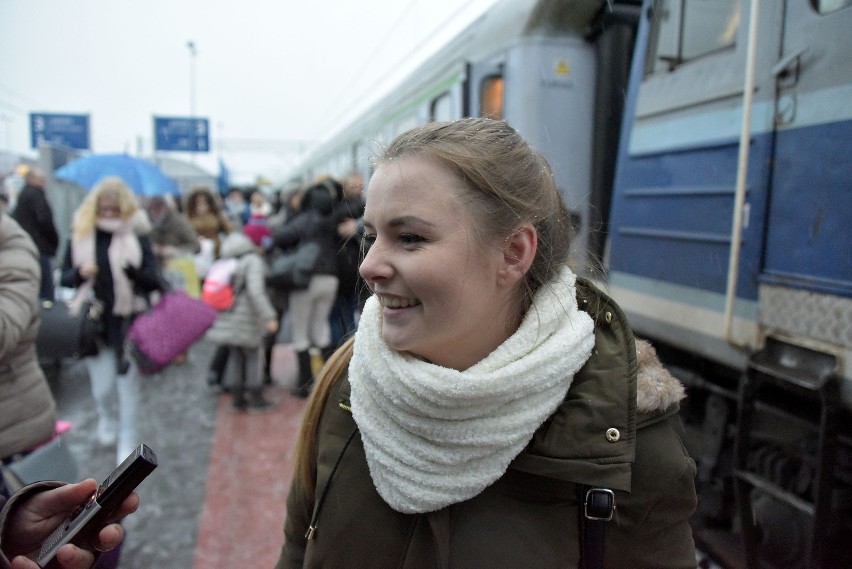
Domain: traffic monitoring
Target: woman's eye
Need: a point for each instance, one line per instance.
(411, 239)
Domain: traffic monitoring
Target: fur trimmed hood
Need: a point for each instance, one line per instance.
(656, 388)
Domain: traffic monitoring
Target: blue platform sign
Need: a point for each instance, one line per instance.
(181, 134)
(71, 131)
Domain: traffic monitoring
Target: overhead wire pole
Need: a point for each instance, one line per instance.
(192, 53)
(191, 45)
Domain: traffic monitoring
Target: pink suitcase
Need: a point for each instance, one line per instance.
(157, 337)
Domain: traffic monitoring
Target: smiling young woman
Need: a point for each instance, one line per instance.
(486, 386)
(444, 295)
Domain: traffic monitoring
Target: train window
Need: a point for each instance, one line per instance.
(442, 108)
(827, 6)
(688, 29)
(491, 97)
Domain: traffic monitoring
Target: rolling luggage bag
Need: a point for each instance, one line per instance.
(176, 322)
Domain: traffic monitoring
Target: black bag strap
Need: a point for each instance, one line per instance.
(596, 507)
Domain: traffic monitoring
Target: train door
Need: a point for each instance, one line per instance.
(671, 228)
(806, 280)
(550, 100)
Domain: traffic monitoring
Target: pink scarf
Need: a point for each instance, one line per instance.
(124, 249)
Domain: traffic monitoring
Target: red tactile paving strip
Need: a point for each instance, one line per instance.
(248, 480)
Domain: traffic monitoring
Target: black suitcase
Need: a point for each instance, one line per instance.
(58, 335)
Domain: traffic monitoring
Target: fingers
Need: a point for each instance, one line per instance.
(69, 557)
(72, 557)
(109, 537)
(87, 270)
(21, 562)
(64, 499)
(130, 505)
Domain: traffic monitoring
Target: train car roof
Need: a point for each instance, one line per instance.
(499, 27)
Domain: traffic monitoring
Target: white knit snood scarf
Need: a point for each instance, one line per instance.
(435, 436)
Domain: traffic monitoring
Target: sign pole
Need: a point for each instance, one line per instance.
(191, 45)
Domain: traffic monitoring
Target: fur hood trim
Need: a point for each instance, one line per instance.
(656, 388)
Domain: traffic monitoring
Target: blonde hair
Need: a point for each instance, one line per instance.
(86, 215)
(306, 453)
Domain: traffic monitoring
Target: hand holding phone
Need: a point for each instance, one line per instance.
(83, 525)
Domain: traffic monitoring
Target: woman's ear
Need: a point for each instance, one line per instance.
(519, 250)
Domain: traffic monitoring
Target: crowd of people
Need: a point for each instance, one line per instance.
(480, 405)
(121, 250)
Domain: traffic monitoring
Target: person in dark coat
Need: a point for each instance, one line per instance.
(488, 391)
(309, 308)
(33, 213)
(347, 213)
(174, 242)
(172, 235)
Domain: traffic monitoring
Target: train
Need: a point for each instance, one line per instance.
(703, 152)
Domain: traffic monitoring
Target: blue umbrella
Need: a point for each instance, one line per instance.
(143, 177)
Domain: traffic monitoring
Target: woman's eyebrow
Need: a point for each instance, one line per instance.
(401, 221)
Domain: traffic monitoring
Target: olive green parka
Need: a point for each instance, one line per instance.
(604, 434)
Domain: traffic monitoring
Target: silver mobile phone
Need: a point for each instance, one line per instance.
(83, 525)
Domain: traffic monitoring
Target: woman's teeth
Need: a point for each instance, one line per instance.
(398, 302)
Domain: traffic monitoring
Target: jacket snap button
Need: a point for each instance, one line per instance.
(608, 317)
(612, 435)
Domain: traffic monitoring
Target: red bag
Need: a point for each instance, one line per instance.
(217, 289)
(176, 322)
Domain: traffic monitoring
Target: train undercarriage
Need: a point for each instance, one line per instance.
(773, 449)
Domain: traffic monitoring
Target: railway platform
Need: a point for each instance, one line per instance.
(217, 499)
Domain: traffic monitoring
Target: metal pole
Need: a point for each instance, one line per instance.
(191, 45)
(742, 173)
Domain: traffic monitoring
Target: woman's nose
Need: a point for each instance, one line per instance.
(374, 266)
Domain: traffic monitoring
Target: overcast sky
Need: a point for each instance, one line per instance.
(267, 72)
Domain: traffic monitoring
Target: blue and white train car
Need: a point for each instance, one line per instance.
(682, 172)
(729, 244)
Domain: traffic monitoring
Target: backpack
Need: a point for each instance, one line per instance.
(218, 287)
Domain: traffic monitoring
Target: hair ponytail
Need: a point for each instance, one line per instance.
(306, 454)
